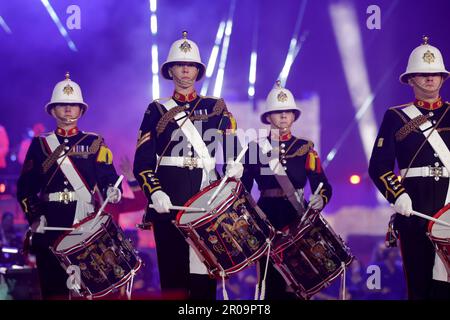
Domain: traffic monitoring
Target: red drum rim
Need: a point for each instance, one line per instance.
(310, 292)
(117, 285)
(437, 216)
(201, 193)
(89, 239)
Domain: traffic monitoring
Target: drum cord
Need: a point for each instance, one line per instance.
(343, 288)
(130, 285)
(224, 289)
(263, 282)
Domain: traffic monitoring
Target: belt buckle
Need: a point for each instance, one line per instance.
(65, 197)
(191, 163)
(436, 171)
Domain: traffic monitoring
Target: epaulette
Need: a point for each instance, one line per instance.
(45, 134)
(162, 100)
(401, 106)
(306, 140)
(209, 97)
(91, 133)
(303, 149)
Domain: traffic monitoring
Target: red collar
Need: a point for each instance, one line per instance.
(185, 97)
(429, 106)
(285, 137)
(72, 132)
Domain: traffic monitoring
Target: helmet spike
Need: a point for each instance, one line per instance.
(184, 33)
(425, 40)
(67, 75)
(278, 84)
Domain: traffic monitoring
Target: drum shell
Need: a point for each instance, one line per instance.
(106, 259)
(230, 237)
(311, 256)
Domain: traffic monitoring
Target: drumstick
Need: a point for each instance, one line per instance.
(116, 185)
(225, 178)
(181, 208)
(57, 229)
(309, 204)
(424, 216)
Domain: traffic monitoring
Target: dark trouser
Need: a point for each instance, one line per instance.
(52, 276)
(276, 287)
(173, 264)
(440, 290)
(418, 259)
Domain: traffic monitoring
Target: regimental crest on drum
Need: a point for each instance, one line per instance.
(232, 234)
(105, 257)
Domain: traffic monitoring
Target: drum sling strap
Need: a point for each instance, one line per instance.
(84, 205)
(440, 148)
(282, 178)
(195, 139)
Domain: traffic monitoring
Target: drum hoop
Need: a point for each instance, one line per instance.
(437, 216)
(316, 288)
(242, 265)
(438, 239)
(66, 233)
(117, 285)
(220, 208)
(291, 240)
(194, 198)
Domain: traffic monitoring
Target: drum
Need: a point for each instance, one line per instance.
(440, 236)
(310, 256)
(232, 234)
(105, 258)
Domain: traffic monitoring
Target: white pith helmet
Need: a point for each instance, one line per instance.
(424, 59)
(280, 99)
(183, 50)
(66, 92)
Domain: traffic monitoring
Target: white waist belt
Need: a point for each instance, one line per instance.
(425, 172)
(67, 196)
(185, 162)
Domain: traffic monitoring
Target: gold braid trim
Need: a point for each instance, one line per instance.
(47, 164)
(409, 127)
(166, 118)
(146, 137)
(301, 151)
(218, 109)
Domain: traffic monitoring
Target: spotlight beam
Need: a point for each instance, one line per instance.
(223, 57)
(5, 26)
(59, 25)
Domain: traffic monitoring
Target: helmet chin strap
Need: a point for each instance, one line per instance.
(183, 83)
(67, 120)
(425, 89)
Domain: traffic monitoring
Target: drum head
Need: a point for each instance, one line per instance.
(437, 230)
(200, 200)
(82, 232)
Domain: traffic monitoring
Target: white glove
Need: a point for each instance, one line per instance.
(316, 202)
(403, 205)
(235, 170)
(161, 201)
(114, 194)
(38, 226)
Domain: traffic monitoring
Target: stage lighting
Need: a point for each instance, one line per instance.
(355, 179)
(2, 188)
